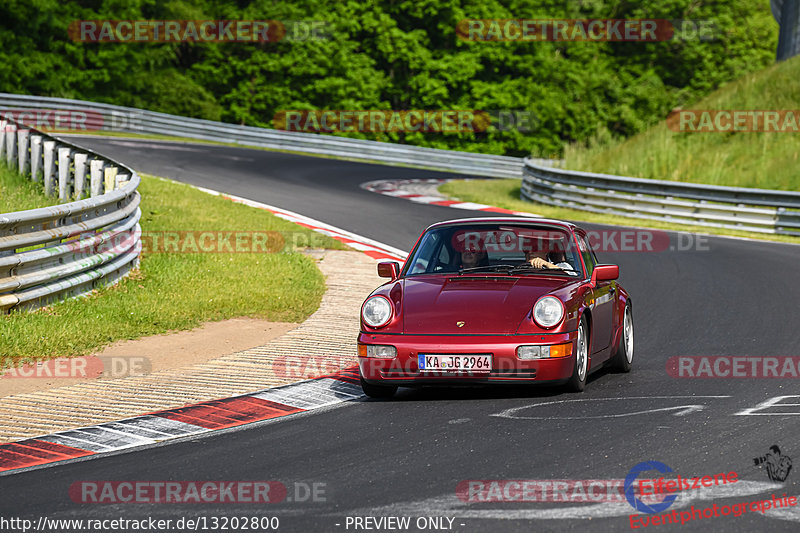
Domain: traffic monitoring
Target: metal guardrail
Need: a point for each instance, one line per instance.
(108, 117)
(66, 250)
(757, 210)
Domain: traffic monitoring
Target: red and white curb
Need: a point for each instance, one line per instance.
(373, 249)
(185, 421)
(208, 416)
(419, 191)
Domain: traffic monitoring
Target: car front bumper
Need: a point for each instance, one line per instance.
(506, 366)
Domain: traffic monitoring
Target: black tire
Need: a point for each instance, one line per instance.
(623, 359)
(580, 370)
(377, 391)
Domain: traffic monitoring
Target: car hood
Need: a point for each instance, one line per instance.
(494, 305)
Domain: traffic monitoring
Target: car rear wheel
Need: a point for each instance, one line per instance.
(377, 391)
(578, 380)
(623, 359)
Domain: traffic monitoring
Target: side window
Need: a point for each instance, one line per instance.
(588, 255)
(424, 253)
(444, 258)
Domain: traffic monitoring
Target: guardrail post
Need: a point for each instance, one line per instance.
(96, 172)
(110, 178)
(11, 147)
(49, 167)
(36, 156)
(3, 126)
(121, 180)
(22, 150)
(63, 174)
(80, 174)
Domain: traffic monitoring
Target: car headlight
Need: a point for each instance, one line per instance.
(376, 311)
(548, 311)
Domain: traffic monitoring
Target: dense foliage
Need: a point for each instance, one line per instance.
(392, 54)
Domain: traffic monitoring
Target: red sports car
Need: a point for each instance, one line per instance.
(495, 300)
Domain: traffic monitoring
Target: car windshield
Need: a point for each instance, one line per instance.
(495, 248)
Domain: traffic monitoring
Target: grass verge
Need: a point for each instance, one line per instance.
(505, 193)
(178, 291)
(18, 193)
(735, 158)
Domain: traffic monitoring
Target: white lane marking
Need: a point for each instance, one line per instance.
(685, 409)
(772, 402)
(451, 505)
(317, 225)
(470, 205)
(786, 513)
(425, 199)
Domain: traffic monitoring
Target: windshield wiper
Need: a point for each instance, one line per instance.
(487, 268)
(528, 266)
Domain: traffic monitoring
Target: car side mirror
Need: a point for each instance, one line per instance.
(604, 273)
(389, 269)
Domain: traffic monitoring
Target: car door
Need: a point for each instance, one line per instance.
(600, 301)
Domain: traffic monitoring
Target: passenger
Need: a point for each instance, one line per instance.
(471, 258)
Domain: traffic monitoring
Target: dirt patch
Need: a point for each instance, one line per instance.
(168, 351)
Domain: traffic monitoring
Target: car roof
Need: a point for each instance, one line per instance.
(506, 220)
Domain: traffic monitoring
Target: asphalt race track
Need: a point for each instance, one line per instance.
(701, 296)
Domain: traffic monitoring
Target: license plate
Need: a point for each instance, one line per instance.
(455, 363)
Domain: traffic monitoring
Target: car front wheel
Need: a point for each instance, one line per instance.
(623, 359)
(578, 380)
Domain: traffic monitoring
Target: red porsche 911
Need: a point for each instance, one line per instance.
(495, 300)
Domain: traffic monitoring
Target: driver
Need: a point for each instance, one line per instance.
(538, 257)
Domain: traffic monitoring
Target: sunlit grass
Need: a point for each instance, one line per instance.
(178, 291)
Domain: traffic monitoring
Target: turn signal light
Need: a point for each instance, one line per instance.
(544, 352)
